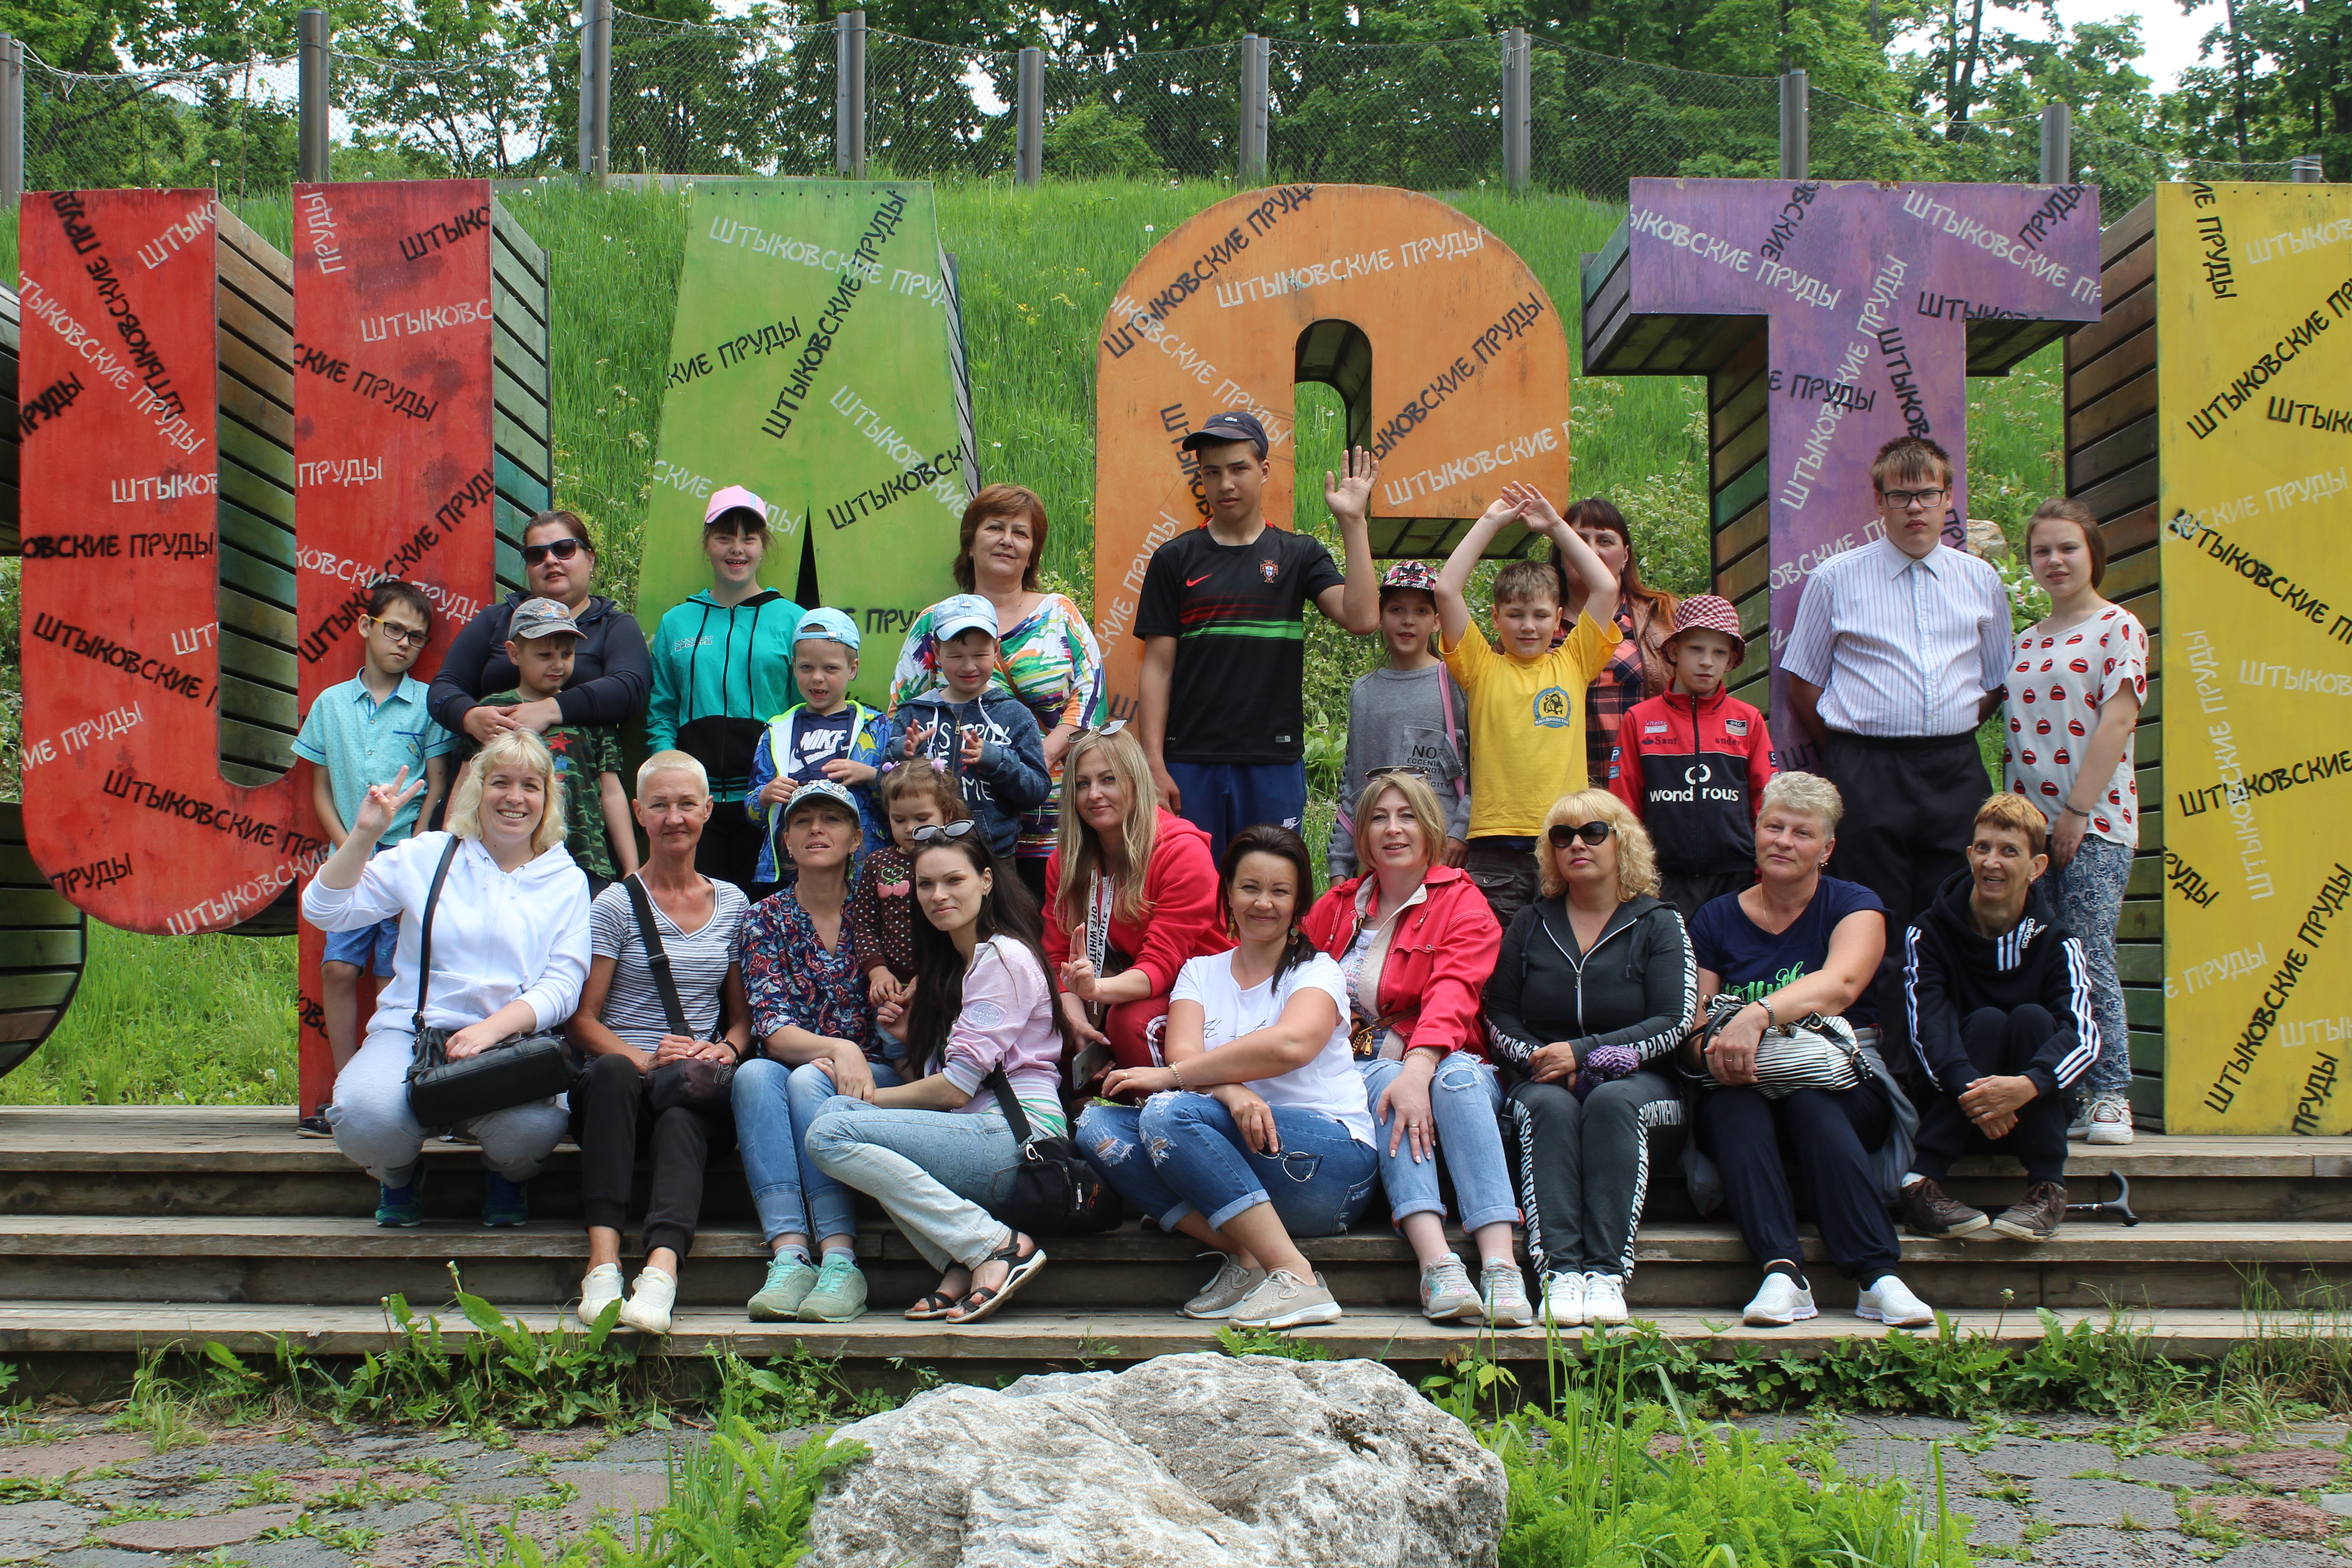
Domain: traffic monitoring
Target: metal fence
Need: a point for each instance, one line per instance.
(742, 98)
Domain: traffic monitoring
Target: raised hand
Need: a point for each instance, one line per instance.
(1078, 978)
(384, 802)
(976, 738)
(1530, 503)
(1349, 494)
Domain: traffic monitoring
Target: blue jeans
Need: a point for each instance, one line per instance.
(364, 945)
(1464, 1101)
(774, 1106)
(1223, 798)
(936, 1173)
(2090, 901)
(1179, 1154)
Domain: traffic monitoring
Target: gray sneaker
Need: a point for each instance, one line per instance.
(1221, 1294)
(1445, 1292)
(1282, 1300)
(839, 1294)
(1506, 1296)
(789, 1283)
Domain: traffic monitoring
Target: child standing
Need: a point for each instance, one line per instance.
(356, 734)
(984, 738)
(1406, 714)
(823, 736)
(1526, 702)
(598, 829)
(882, 896)
(1693, 763)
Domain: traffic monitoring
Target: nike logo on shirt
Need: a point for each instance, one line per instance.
(1196, 581)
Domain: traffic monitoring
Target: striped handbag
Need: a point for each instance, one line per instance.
(1813, 1052)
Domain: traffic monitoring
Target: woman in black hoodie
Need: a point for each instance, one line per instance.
(1593, 989)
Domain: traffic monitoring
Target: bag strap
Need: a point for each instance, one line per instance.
(425, 935)
(1445, 706)
(1009, 1104)
(656, 955)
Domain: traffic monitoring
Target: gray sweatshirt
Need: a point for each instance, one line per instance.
(1394, 721)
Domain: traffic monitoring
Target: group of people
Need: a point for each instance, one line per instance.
(1576, 924)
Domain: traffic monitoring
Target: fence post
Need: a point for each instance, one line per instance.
(2057, 144)
(1030, 121)
(2304, 170)
(311, 130)
(849, 95)
(1518, 108)
(587, 87)
(12, 122)
(1254, 56)
(1795, 127)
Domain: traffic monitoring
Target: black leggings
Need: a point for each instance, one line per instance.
(1999, 1045)
(1832, 1133)
(609, 1118)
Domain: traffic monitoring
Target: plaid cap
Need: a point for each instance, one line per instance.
(543, 618)
(1407, 575)
(1710, 613)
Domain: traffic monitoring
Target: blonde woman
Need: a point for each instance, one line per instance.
(1591, 992)
(509, 956)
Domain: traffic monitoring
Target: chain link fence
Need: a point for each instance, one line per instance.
(748, 97)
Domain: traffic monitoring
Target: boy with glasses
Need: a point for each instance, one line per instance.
(361, 733)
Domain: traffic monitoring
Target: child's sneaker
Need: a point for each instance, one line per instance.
(504, 1202)
(2107, 1120)
(314, 1125)
(839, 1294)
(398, 1207)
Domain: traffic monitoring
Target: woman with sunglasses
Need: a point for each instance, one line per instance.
(936, 1154)
(1130, 897)
(1591, 992)
(1416, 940)
(610, 668)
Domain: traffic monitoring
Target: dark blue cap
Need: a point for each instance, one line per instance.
(1233, 427)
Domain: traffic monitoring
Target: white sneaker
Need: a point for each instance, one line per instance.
(2108, 1120)
(1604, 1298)
(1284, 1300)
(598, 1288)
(1563, 1299)
(1503, 1296)
(1890, 1301)
(1780, 1301)
(650, 1300)
(1445, 1292)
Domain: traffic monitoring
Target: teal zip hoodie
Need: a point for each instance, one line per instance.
(720, 675)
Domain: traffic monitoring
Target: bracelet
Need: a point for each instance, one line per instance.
(1772, 1019)
(2078, 811)
(1179, 1072)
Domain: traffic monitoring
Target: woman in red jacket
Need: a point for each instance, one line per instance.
(1416, 942)
(1130, 895)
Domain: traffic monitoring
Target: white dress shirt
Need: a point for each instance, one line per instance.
(1901, 647)
(497, 935)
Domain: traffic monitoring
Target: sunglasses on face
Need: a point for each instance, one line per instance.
(1562, 834)
(561, 549)
(398, 637)
(1905, 498)
(945, 832)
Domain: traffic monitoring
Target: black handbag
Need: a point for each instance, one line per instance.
(1054, 1191)
(517, 1070)
(695, 1083)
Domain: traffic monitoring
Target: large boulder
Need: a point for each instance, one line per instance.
(1186, 1461)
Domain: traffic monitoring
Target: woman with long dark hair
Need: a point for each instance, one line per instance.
(1638, 669)
(936, 1154)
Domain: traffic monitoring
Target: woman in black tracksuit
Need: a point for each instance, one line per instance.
(1593, 989)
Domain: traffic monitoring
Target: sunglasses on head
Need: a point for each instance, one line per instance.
(561, 549)
(1113, 728)
(1398, 771)
(945, 832)
(1563, 834)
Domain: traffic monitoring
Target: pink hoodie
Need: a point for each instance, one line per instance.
(1007, 1021)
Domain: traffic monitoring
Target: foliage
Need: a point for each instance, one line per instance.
(1238, 1341)
(1092, 142)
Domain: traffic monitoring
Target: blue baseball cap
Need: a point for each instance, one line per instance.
(816, 790)
(827, 626)
(960, 613)
(1235, 426)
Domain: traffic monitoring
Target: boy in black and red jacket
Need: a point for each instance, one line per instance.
(1693, 763)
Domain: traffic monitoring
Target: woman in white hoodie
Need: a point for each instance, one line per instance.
(510, 955)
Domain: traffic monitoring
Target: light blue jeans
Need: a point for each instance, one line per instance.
(774, 1106)
(373, 1128)
(1464, 1101)
(1181, 1154)
(934, 1171)
(2090, 901)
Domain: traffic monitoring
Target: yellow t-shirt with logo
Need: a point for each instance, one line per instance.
(1527, 724)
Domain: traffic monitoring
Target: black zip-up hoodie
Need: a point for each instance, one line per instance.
(1638, 986)
(1950, 968)
(610, 671)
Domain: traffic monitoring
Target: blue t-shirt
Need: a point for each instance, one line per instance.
(818, 739)
(1754, 962)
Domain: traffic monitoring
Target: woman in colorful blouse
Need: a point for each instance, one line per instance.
(1046, 654)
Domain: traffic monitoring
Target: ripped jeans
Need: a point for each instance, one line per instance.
(1181, 1154)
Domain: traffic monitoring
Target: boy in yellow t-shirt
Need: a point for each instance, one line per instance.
(1526, 702)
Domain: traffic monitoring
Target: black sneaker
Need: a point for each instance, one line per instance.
(315, 1125)
(1928, 1210)
(2038, 1218)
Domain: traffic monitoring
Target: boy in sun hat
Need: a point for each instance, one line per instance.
(1407, 713)
(1693, 760)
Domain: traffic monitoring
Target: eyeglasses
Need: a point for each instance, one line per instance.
(1905, 498)
(1563, 834)
(561, 549)
(397, 635)
(945, 832)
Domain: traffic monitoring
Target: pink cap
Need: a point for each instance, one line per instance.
(728, 500)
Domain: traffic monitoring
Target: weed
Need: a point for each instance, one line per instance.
(2009, 1489)
(38, 1489)
(1237, 1341)
(352, 1537)
(2038, 1530)
(264, 1488)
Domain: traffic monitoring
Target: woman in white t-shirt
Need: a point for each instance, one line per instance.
(2076, 686)
(1256, 1128)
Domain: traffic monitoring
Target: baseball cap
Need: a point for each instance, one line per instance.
(543, 618)
(1712, 613)
(730, 499)
(1409, 574)
(827, 626)
(960, 613)
(822, 789)
(1234, 425)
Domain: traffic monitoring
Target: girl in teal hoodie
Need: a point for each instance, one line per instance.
(722, 669)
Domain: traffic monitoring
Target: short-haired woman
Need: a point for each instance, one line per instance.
(1130, 898)
(1045, 651)
(2075, 686)
(510, 955)
(1256, 1129)
(1591, 992)
(1416, 942)
(623, 1027)
(1794, 944)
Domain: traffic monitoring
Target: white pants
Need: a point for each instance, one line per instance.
(374, 1127)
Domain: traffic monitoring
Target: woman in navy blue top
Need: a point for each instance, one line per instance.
(1797, 943)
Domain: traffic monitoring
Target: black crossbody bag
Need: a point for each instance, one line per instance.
(696, 1083)
(1055, 1191)
(517, 1070)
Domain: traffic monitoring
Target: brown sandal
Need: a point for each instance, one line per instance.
(983, 1301)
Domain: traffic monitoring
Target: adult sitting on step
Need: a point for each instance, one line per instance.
(510, 955)
(1999, 1000)
(660, 1040)
(1794, 944)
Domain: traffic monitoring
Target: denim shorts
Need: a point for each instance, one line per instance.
(358, 946)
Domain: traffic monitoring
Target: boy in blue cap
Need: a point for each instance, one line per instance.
(823, 736)
(981, 736)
